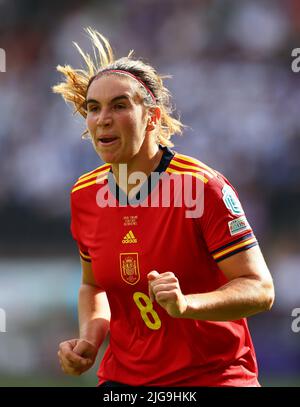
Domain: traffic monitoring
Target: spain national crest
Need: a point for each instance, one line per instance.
(129, 267)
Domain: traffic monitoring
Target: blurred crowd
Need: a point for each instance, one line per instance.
(232, 85)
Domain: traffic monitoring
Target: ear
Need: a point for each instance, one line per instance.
(155, 116)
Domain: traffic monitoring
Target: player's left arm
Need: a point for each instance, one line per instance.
(249, 290)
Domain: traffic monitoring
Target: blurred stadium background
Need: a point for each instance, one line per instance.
(233, 86)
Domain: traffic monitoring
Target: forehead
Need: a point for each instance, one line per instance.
(110, 86)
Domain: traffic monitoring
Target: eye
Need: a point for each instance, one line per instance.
(93, 108)
(119, 106)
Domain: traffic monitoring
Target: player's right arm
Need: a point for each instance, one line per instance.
(78, 355)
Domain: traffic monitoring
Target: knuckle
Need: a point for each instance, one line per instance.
(170, 274)
(62, 345)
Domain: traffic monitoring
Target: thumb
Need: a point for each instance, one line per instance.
(83, 348)
(151, 277)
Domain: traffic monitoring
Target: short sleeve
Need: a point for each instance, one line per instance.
(76, 229)
(223, 223)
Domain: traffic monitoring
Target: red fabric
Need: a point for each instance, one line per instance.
(148, 347)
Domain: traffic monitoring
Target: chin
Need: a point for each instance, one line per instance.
(109, 158)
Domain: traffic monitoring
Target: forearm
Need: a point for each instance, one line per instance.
(94, 314)
(237, 299)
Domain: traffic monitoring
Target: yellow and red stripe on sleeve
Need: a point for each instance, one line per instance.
(91, 178)
(192, 163)
(91, 173)
(171, 170)
(238, 245)
(181, 164)
(178, 165)
(85, 256)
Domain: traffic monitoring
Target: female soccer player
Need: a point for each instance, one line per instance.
(170, 265)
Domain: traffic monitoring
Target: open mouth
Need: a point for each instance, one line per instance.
(107, 140)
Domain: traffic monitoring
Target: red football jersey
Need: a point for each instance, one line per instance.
(126, 240)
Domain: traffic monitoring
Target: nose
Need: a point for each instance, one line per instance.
(104, 119)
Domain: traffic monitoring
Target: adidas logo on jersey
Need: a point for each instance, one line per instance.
(129, 238)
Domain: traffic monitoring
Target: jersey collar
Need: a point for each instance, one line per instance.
(148, 186)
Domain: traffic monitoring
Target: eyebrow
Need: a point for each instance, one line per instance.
(113, 100)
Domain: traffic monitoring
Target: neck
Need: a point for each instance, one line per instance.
(145, 161)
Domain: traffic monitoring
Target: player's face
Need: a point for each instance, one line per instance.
(116, 118)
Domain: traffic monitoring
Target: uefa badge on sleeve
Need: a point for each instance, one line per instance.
(238, 225)
(231, 201)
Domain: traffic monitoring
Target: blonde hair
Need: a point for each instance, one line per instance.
(77, 81)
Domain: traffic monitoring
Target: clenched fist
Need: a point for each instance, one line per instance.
(165, 289)
(76, 356)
